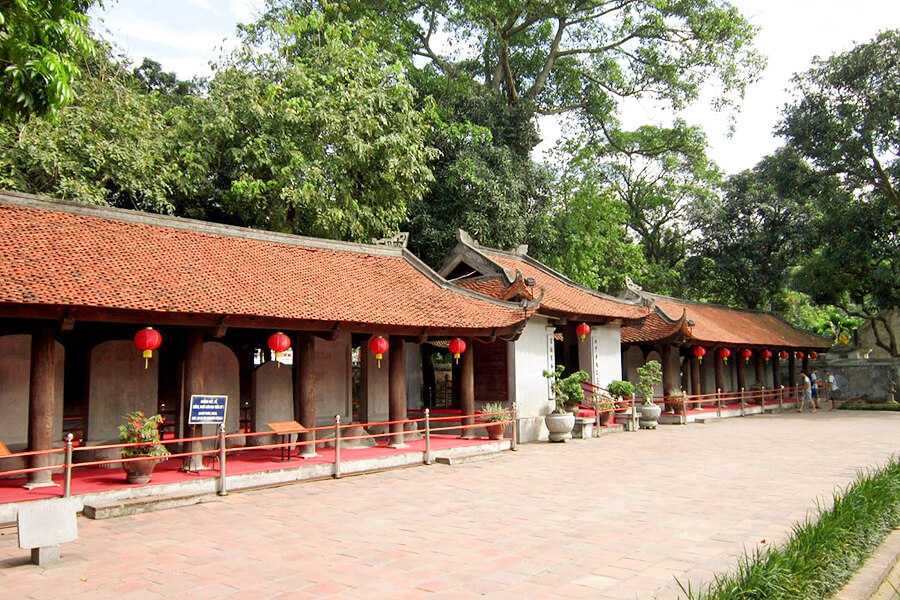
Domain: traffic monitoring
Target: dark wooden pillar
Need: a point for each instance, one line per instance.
(245, 380)
(455, 379)
(41, 404)
(696, 381)
(792, 368)
(806, 362)
(741, 365)
(467, 386)
(304, 390)
(776, 370)
(760, 368)
(397, 390)
(668, 374)
(720, 372)
(193, 384)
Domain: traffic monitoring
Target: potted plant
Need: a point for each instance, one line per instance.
(605, 407)
(495, 422)
(623, 390)
(676, 400)
(567, 393)
(144, 430)
(648, 376)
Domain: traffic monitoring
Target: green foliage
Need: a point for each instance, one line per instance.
(649, 375)
(494, 407)
(308, 129)
(112, 145)
(822, 554)
(41, 43)
(567, 390)
(621, 389)
(141, 429)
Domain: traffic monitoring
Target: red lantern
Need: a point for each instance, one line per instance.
(582, 330)
(278, 343)
(746, 353)
(813, 355)
(699, 352)
(766, 354)
(799, 355)
(457, 347)
(724, 353)
(147, 340)
(783, 355)
(378, 346)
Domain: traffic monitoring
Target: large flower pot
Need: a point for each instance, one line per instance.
(649, 415)
(138, 471)
(605, 417)
(495, 430)
(560, 426)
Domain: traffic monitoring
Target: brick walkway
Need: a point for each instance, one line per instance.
(617, 517)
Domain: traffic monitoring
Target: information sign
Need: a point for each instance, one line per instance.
(207, 410)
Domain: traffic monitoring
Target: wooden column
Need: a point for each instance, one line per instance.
(396, 390)
(741, 365)
(720, 373)
(792, 369)
(245, 381)
(760, 368)
(193, 384)
(776, 370)
(467, 386)
(806, 362)
(455, 379)
(696, 381)
(304, 390)
(668, 376)
(41, 404)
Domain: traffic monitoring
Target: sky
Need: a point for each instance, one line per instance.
(186, 35)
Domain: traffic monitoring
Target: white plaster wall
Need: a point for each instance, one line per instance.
(119, 384)
(332, 374)
(15, 382)
(221, 376)
(414, 376)
(606, 354)
(532, 354)
(273, 398)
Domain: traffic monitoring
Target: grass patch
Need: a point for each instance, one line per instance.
(895, 406)
(821, 554)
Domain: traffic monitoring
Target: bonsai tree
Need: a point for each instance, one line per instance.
(621, 389)
(648, 376)
(141, 429)
(567, 390)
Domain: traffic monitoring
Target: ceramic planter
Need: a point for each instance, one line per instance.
(649, 415)
(495, 430)
(138, 471)
(560, 426)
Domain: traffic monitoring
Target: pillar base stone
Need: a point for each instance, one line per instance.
(45, 556)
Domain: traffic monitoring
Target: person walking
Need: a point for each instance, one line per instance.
(814, 387)
(833, 389)
(806, 393)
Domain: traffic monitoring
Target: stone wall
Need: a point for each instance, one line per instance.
(871, 376)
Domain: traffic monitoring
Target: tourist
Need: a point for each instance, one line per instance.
(814, 387)
(833, 389)
(806, 393)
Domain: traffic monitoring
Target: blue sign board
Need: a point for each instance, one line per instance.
(207, 410)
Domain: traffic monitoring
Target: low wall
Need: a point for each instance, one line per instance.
(871, 377)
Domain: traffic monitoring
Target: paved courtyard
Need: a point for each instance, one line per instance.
(618, 517)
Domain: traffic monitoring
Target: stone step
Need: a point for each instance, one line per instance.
(463, 459)
(134, 506)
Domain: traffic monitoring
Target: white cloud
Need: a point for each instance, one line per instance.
(245, 11)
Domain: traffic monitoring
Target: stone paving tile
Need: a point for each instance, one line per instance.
(611, 519)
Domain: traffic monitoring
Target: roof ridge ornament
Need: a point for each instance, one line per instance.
(398, 241)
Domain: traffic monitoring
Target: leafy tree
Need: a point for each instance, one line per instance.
(581, 56)
(657, 174)
(41, 44)
(749, 240)
(308, 129)
(845, 118)
(485, 179)
(112, 145)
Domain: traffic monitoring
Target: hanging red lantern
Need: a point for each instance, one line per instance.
(724, 353)
(582, 330)
(147, 340)
(746, 353)
(699, 352)
(783, 355)
(278, 343)
(378, 346)
(813, 355)
(799, 355)
(457, 347)
(766, 354)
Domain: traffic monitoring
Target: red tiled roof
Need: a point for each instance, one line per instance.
(489, 287)
(565, 296)
(53, 254)
(720, 325)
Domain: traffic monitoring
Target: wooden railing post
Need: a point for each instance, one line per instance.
(743, 401)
